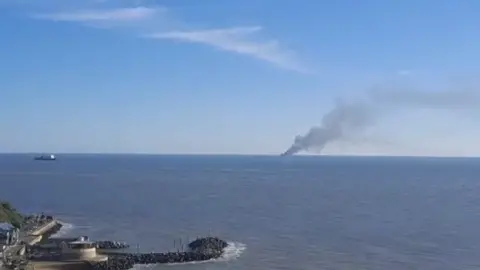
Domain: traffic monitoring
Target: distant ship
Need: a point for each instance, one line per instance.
(45, 157)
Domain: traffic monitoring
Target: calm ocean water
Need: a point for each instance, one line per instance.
(278, 213)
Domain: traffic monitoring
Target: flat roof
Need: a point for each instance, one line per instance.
(6, 226)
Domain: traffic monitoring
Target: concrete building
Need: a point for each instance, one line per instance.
(79, 250)
(8, 234)
(5, 227)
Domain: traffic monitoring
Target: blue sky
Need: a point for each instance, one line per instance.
(221, 76)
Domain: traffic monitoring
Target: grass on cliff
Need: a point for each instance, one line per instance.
(10, 215)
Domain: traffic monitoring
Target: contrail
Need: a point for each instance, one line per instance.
(348, 117)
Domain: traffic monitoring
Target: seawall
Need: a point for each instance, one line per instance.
(45, 265)
(45, 228)
(33, 239)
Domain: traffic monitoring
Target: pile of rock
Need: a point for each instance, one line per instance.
(202, 249)
(117, 263)
(33, 222)
(208, 245)
(111, 245)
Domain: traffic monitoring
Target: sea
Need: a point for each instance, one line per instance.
(300, 212)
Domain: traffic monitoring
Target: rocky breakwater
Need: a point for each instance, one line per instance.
(202, 249)
(111, 245)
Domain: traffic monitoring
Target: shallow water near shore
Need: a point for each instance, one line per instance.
(278, 213)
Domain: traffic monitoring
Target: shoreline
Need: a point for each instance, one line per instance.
(34, 248)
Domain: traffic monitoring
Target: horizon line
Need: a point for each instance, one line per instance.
(238, 155)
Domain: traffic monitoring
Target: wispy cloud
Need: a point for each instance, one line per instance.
(112, 15)
(156, 23)
(404, 72)
(239, 40)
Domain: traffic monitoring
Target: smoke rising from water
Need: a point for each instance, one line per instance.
(347, 117)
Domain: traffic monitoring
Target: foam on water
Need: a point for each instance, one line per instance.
(66, 228)
(231, 252)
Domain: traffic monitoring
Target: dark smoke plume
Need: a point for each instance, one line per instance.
(348, 117)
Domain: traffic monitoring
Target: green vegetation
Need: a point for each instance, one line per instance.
(10, 215)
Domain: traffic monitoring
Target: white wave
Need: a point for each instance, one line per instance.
(231, 252)
(66, 228)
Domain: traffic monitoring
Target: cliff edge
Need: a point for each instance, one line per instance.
(10, 215)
